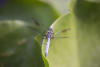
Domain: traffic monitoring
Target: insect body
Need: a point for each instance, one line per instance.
(48, 36)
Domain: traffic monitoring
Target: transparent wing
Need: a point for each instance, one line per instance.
(59, 37)
(62, 32)
(43, 40)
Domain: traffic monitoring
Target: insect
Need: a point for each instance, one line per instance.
(50, 35)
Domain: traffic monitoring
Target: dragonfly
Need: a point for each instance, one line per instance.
(50, 35)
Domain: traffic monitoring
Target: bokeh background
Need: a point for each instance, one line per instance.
(60, 5)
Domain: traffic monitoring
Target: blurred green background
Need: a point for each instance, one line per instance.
(24, 22)
(60, 5)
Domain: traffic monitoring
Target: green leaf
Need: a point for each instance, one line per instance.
(82, 47)
(18, 48)
(63, 51)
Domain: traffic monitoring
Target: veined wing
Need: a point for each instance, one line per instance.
(63, 31)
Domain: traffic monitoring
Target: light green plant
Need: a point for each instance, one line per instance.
(20, 44)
